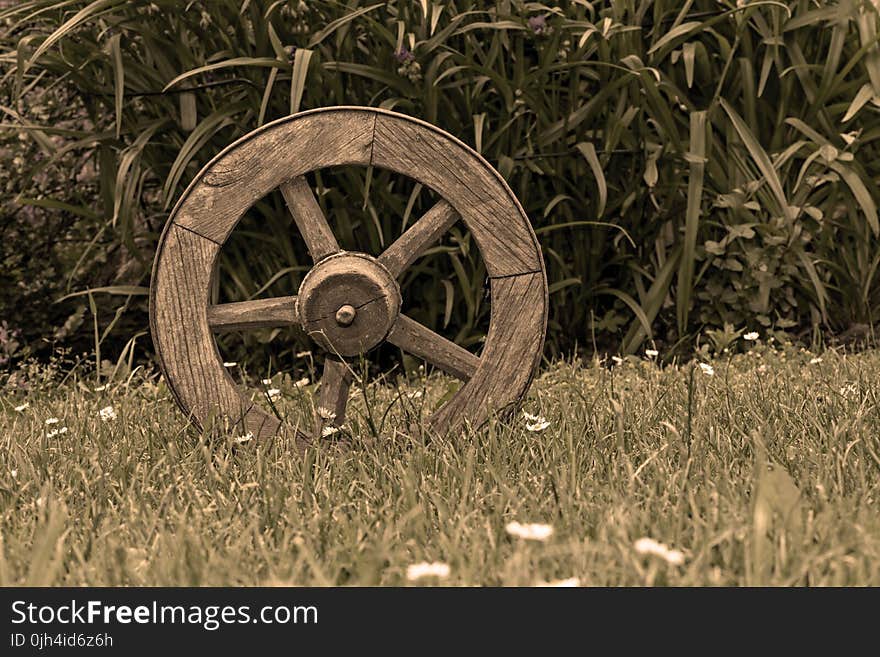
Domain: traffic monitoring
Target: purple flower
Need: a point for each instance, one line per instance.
(404, 55)
(538, 24)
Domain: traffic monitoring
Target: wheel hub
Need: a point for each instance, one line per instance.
(348, 303)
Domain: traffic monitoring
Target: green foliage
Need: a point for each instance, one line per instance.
(686, 165)
(48, 245)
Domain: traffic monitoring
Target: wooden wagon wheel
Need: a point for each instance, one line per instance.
(348, 302)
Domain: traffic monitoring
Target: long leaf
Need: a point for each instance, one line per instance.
(697, 159)
(125, 290)
(339, 22)
(673, 34)
(652, 303)
(71, 24)
(118, 79)
(639, 312)
(298, 80)
(235, 61)
(861, 193)
(760, 157)
(589, 152)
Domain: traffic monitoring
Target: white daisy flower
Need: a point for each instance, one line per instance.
(52, 420)
(540, 425)
(245, 438)
(708, 370)
(531, 418)
(56, 432)
(21, 407)
(419, 570)
(529, 532)
(329, 430)
(266, 382)
(107, 414)
(326, 413)
(274, 393)
(651, 353)
(848, 390)
(751, 337)
(648, 546)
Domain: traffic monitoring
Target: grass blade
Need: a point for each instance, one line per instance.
(589, 152)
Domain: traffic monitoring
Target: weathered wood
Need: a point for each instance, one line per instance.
(509, 358)
(348, 279)
(418, 238)
(309, 218)
(462, 177)
(192, 365)
(247, 315)
(261, 161)
(332, 396)
(348, 300)
(422, 342)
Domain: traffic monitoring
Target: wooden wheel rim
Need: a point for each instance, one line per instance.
(280, 153)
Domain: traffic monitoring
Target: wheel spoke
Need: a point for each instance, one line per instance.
(309, 219)
(418, 238)
(332, 396)
(261, 313)
(421, 341)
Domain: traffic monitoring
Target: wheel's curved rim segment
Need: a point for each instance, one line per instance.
(536, 273)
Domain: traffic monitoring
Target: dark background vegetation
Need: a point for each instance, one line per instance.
(693, 169)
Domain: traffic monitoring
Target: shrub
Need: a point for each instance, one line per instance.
(685, 166)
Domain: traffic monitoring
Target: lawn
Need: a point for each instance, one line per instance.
(761, 467)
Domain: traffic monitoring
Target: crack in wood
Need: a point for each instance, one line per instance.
(333, 313)
(195, 232)
(524, 273)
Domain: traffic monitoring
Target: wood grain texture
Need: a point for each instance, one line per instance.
(309, 218)
(422, 342)
(333, 395)
(188, 354)
(261, 161)
(418, 238)
(287, 149)
(348, 279)
(479, 194)
(511, 353)
(246, 315)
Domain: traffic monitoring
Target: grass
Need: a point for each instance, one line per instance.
(765, 472)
